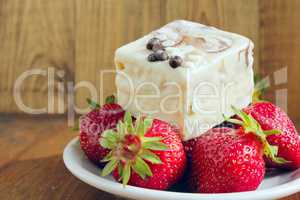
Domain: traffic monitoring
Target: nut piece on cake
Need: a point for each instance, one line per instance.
(186, 73)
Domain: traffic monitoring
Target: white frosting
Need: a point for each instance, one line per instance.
(216, 73)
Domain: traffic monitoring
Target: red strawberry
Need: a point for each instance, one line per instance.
(93, 124)
(226, 160)
(189, 144)
(149, 154)
(270, 117)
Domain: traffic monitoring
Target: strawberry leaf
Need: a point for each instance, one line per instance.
(105, 143)
(139, 169)
(271, 151)
(151, 157)
(142, 125)
(272, 132)
(280, 160)
(242, 115)
(108, 139)
(261, 85)
(144, 166)
(128, 118)
(126, 174)
(110, 99)
(139, 126)
(235, 121)
(92, 104)
(121, 130)
(152, 139)
(155, 146)
(108, 157)
(147, 124)
(120, 170)
(128, 122)
(110, 135)
(109, 167)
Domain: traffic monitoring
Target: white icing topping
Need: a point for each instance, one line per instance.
(219, 59)
(180, 33)
(183, 38)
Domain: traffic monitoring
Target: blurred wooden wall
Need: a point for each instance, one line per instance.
(79, 37)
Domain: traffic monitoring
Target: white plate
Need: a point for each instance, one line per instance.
(273, 187)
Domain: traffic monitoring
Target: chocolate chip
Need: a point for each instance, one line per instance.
(159, 55)
(154, 43)
(175, 61)
(152, 57)
(157, 46)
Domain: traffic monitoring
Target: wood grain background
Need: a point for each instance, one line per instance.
(79, 37)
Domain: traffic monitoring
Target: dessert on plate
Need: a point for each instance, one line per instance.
(176, 86)
(186, 73)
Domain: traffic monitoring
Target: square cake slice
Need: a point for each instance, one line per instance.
(186, 73)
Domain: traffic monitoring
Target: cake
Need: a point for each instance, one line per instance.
(186, 73)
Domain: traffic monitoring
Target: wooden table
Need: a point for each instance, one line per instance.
(31, 165)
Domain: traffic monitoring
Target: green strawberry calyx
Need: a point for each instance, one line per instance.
(260, 87)
(130, 149)
(108, 100)
(250, 125)
(93, 104)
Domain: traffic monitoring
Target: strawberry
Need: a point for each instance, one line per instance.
(189, 144)
(232, 160)
(270, 117)
(226, 160)
(148, 154)
(93, 124)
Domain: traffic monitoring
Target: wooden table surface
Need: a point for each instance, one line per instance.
(31, 165)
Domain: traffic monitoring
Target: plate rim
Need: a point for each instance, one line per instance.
(116, 188)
